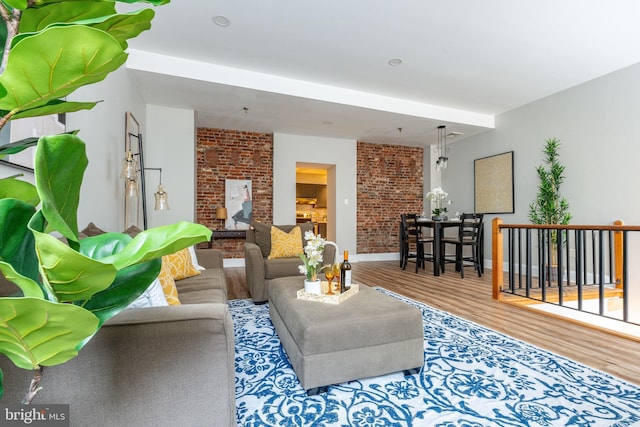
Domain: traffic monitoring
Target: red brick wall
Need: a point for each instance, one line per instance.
(229, 154)
(389, 183)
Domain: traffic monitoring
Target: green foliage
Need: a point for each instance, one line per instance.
(69, 287)
(549, 207)
(36, 332)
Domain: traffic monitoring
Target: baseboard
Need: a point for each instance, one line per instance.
(233, 262)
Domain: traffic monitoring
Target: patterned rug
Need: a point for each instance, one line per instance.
(473, 376)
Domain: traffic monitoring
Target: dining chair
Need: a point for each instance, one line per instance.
(469, 235)
(408, 241)
(416, 238)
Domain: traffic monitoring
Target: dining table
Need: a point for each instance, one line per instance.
(438, 232)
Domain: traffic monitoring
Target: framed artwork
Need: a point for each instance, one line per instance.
(20, 129)
(493, 184)
(238, 203)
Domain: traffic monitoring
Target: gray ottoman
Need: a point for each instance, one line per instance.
(367, 335)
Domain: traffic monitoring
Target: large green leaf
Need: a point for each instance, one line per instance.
(128, 285)
(71, 275)
(153, 2)
(36, 19)
(13, 188)
(36, 332)
(53, 63)
(60, 162)
(16, 4)
(17, 146)
(56, 106)
(159, 241)
(121, 26)
(124, 26)
(104, 245)
(18, 260)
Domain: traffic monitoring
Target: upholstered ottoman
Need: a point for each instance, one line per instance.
(368, 334)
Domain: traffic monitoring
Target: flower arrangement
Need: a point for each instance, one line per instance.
(312, 256)
(439, 197)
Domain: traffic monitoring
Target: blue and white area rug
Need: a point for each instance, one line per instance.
(473, 377)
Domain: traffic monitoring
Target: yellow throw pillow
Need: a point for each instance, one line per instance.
(180, 265)
(284, 245)
(168, 284)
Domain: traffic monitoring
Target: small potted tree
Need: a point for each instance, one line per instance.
(549, 207)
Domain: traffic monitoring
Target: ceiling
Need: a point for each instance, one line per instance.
(322, 68)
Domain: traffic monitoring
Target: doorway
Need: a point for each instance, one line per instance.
(315, 197)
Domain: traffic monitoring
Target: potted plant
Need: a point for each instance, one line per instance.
(312, 262)
(69, 287)
(549, 207)
(440, 198)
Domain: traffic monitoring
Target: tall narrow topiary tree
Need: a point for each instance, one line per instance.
(549, 207)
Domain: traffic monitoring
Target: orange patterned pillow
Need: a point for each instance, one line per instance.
(284, 245)
(180, 264)
(168, 285)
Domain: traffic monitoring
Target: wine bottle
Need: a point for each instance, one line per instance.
(345, 273)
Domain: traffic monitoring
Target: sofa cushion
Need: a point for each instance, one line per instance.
(168, 285)
(210, 286)
(152, 297)
(132, 231)
(282, 267)
(263, 234)
(91, 230)
(180, 264)
(285, 245)
(194, 258)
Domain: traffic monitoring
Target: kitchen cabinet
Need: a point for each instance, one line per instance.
(321, 196)
(306, 191)
(315, 194)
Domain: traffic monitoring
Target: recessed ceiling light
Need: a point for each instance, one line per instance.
(394, 62)
(221, 21)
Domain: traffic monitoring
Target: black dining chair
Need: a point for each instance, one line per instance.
(408, 249)
(469, 235)
(416, 239)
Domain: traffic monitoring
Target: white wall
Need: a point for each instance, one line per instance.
(102, 129)
(597, 124)
(170, 144)
(290, 149)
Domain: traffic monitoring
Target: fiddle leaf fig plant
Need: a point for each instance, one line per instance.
(68, 287)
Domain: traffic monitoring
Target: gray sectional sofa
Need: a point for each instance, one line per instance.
(158, 366)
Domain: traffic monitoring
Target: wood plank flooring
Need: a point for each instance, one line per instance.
(470, 298)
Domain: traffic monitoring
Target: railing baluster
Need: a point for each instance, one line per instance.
(601, 274)
(559, 267)
(593, 254)
(512, 282)
(579, 262)
(519, 258)
(529, 263)
(625, 277)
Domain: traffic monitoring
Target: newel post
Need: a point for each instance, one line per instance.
(497, 255)
(618, 254)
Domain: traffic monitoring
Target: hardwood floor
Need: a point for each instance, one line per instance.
(470, 298)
